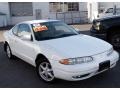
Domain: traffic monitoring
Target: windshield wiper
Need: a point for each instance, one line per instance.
(65, 35)
(62, 35)
(47, 38)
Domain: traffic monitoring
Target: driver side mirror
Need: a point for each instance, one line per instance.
(27, 37)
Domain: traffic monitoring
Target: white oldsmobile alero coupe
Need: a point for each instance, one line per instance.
(58, 51)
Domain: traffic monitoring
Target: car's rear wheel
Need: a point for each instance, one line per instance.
(45, 71)
(8, 52)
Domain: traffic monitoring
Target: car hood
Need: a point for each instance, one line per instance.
(107, 17)
(76, 46)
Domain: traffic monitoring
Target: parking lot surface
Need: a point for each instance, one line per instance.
(17, 73)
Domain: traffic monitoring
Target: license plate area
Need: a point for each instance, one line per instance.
(104, 65)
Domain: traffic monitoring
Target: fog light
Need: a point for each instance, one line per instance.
(80, 76)
(76, 77)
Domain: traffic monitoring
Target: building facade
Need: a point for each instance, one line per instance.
(16, 12)
(69, 12)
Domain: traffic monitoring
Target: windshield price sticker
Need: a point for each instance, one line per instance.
(39, 28)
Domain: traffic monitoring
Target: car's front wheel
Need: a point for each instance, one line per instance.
(115, 40)
(8, 52)
(45, 71)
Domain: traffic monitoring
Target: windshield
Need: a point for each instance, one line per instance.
(52, 30)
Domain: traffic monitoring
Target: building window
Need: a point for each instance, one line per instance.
(63, 6)
(73, 6)
(55, 6)
(21, 8)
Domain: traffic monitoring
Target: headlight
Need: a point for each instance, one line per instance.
(110, 51)
(73, 61)
(97, 26)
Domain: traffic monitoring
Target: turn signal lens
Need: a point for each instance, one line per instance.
(64, 61)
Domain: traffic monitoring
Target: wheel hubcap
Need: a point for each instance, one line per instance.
(116, 40)
(8, 52)
(46, 72)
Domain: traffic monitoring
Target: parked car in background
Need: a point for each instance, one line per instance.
(58, 51)
(109, 12)
(107, 29)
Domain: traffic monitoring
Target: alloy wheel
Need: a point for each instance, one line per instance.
(45, 71)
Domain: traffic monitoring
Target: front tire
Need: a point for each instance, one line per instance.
(9, 52)
(45, 71)
(115, 40)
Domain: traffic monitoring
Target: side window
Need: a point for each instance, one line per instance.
(110, 10)
(15, 30)
(23, 29)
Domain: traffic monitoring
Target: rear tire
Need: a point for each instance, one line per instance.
(45, 71)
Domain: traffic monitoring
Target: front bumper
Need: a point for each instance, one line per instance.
(94, 33)
(78, 72)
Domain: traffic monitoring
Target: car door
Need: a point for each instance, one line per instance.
(24, 48)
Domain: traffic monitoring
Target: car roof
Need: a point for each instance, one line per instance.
(38, 21)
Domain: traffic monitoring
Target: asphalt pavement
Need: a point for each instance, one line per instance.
(19, 74)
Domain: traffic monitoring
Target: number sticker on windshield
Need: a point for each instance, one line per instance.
(39, 28)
